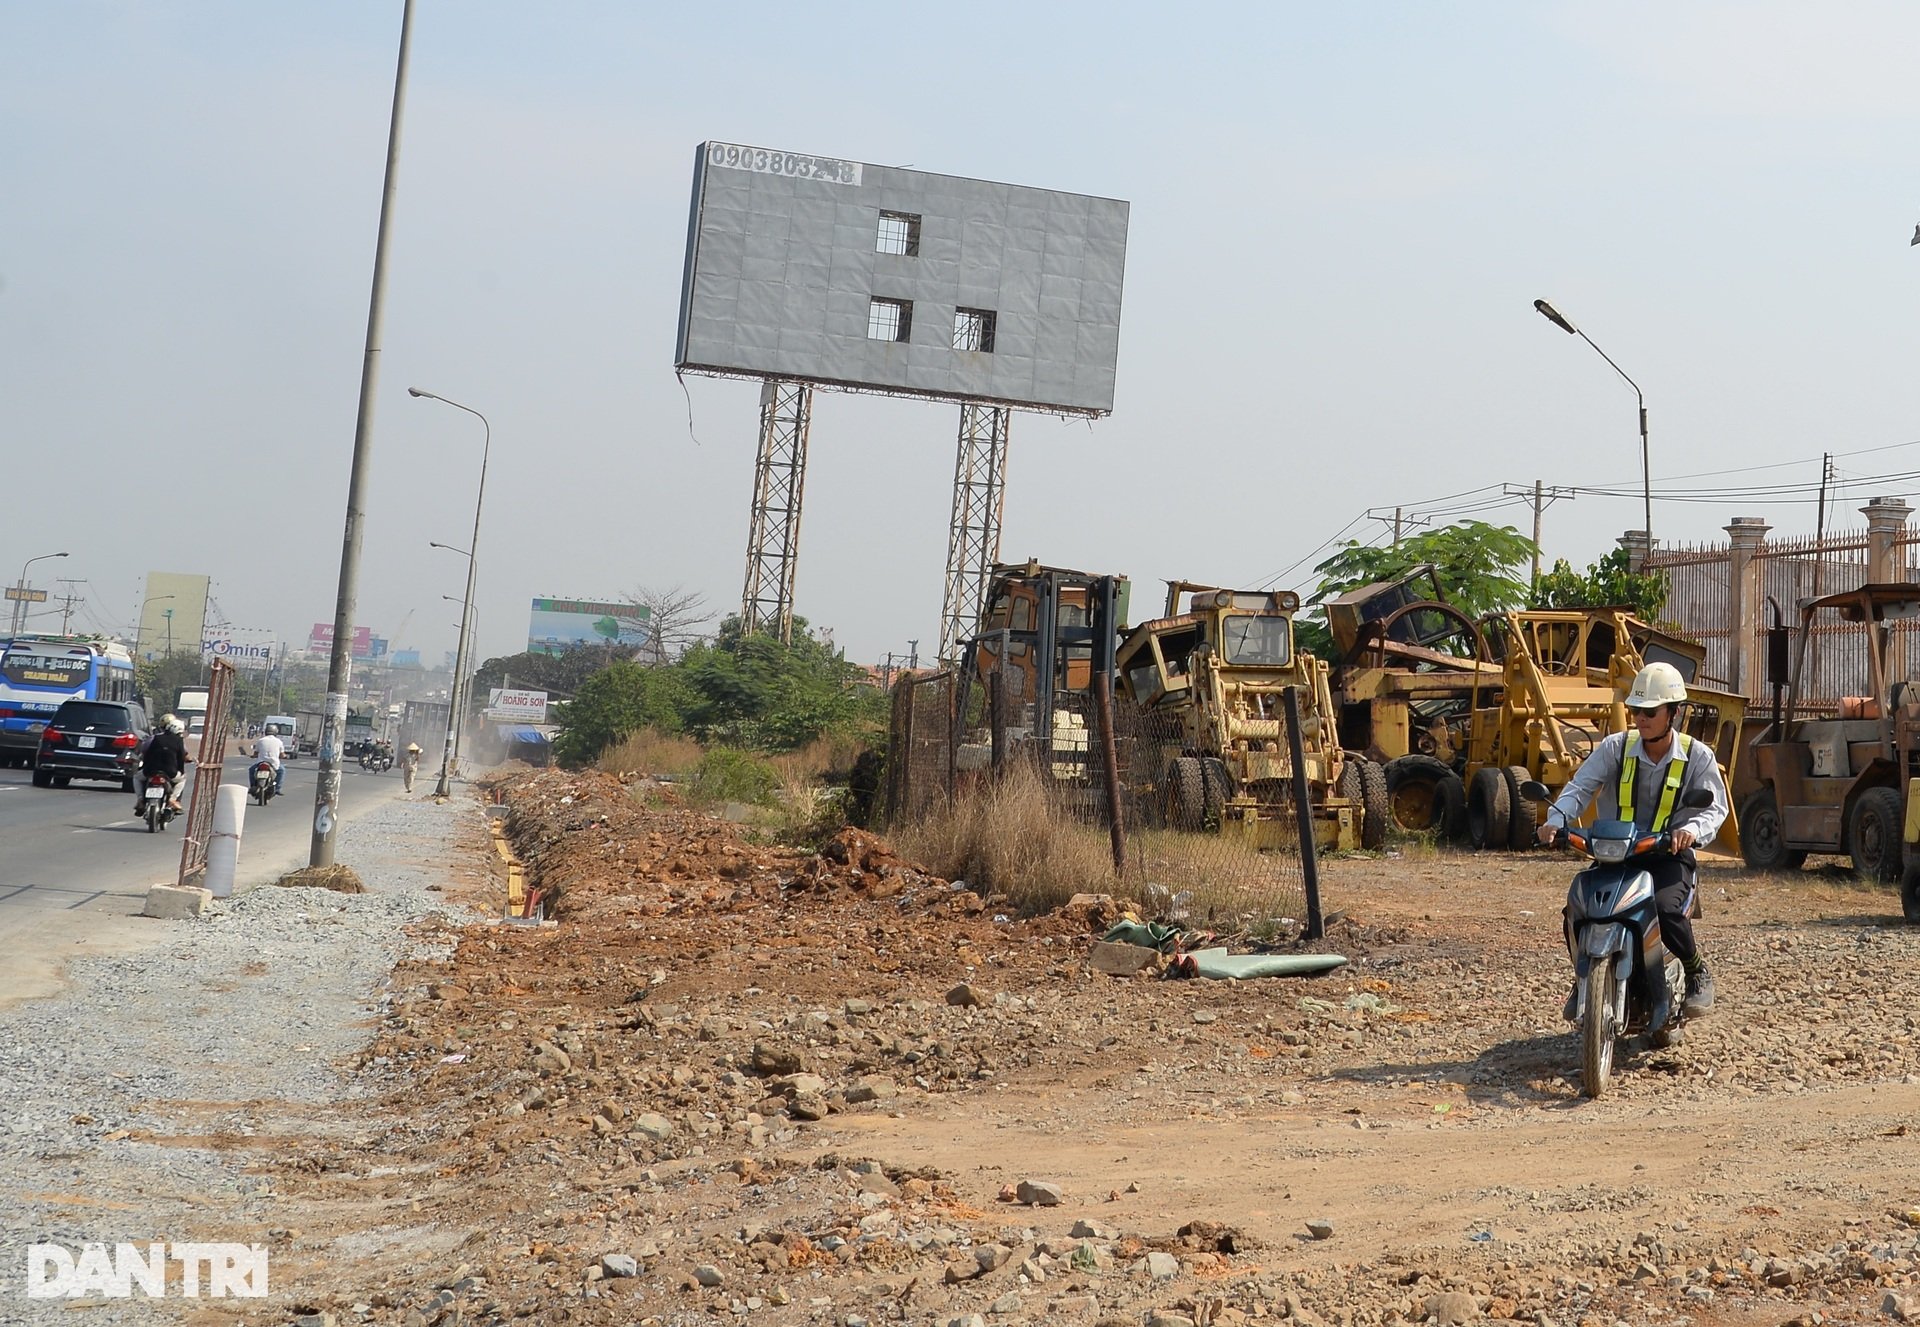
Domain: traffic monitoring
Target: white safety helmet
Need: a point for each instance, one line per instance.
(1657, 684)
(172, 724)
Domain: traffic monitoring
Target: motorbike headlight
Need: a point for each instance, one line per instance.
(1610, 850)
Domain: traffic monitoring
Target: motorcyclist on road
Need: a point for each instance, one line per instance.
(1644, 776)
(166, 755)
(269, 748)
(409, 766)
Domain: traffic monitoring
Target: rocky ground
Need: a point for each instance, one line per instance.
(737, 1083)
(733, 1082)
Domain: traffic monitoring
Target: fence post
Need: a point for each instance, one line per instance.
(1110, 768)
(1303, 807)
(1638, 547)
(1745, 534)
(899, 749)
(1886, 526)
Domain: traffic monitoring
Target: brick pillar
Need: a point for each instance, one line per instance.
(1638, 546)
(1746, 587)
(1886, 522)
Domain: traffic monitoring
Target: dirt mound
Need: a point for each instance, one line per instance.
(340, 879)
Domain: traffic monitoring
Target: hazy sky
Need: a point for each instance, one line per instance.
(1340, 218)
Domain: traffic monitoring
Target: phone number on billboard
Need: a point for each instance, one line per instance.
(791, 164)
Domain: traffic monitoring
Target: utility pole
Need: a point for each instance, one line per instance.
(913, 654)
(1541, 497)
(68, 601)
(1396, 527)
(1539, 506)
(326, 798)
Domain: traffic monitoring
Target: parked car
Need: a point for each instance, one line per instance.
(93, 739)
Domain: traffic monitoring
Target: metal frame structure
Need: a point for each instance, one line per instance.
(210, 764)
(973, 537)
(773, 536)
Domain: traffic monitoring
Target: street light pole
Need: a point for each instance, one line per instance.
(1559, 320)
(452, 750)
(326, 797)
(445, 787)
(20, 603)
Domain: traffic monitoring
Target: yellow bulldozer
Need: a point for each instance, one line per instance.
(1208, 680)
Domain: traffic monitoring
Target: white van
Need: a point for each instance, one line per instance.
(287, 729)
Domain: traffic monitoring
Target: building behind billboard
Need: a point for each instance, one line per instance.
(820, 270)
(173, 615)
(556, 626)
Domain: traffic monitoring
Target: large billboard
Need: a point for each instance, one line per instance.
(173, 615)
(320, 641)
(850, 274)
(559, 625)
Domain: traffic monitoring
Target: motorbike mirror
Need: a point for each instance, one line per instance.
(1699, 799)
(1535, 791)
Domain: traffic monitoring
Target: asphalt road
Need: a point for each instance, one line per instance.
(81, 849)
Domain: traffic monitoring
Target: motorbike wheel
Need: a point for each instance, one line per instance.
(1875, 835)
(1597, 1032)
(1763, 837)
(153, 820)
(1489, 812)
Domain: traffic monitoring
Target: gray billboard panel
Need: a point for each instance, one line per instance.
(876, 277)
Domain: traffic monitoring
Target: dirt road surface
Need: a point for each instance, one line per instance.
(737, 1083)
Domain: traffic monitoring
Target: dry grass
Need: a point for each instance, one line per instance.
(651, 752)
(339, 878)
(827, 757)
(1012, 838)
(1018, 837)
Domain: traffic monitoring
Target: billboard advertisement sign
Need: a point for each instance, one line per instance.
(513, 705)
(236, 651)
(320, 640)
(173, 615)
(559, 625)
(821, 270)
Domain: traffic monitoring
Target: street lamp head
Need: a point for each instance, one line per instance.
(1554, 316)
(415, 391)
(1916, 237)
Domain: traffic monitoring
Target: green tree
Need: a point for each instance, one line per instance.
(621, 698)
(1478, 565)
(1608, 583)
(162, 680)
(749, 690)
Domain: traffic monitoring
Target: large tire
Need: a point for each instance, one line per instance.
(1910, 890)
(1186, 794)
(1489, 814)
(1523, 820)
(1216, 789)
(1597, 1032)
(1450, 815)
(1373, 798)
(42, 779)
(1413, 791)
(1763, 839)
(1873, 836)
(153, 819)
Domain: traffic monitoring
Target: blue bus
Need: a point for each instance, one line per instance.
(38, 672)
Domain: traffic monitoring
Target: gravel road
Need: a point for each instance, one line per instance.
(232, 1029)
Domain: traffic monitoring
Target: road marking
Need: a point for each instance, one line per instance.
(88, 899)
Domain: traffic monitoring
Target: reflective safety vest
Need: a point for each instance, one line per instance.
(1669, 787)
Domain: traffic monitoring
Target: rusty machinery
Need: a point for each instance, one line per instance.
(1843, 783)
(1215, 671)
(1462, 712)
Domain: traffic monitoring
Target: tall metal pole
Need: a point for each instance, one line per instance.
(20, 604)
(326, 797)
(1539, 502)
(451, 751)
(1560, 320)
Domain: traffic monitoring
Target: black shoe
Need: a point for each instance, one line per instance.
(1571, 1009)
(1699, 993)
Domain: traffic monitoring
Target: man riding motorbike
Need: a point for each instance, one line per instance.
(1643, 776)
(166, 755)
(268, 747)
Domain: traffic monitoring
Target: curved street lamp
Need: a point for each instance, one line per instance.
(1560, 320)
(451, 751)
(20, 603)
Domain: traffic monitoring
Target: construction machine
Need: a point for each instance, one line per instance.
(1843, 782)
(1209, 680)
(1461, 712)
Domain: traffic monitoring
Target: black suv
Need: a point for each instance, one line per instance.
(92, 739)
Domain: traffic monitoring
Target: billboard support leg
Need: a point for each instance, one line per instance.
(773, 537)
(973, 540)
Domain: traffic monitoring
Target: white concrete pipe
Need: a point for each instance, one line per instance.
(223, 851)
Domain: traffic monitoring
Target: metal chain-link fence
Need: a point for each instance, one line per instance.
(989, 777)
